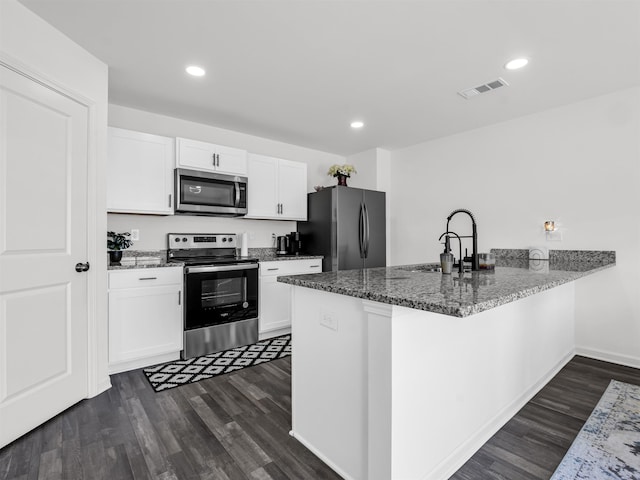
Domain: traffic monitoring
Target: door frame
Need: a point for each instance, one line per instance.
(97, 377)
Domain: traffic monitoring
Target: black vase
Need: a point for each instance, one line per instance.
(115, 256)
(342, 180)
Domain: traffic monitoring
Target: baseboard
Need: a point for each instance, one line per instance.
(319, 454)
(142, 362)
(103, 386)
(459, 457)
(610, 357)
(274, 333)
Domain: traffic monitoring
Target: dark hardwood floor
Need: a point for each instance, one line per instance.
(236, 427)
(532, 444)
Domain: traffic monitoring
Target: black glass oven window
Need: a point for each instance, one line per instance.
(202, 191)
(214, 298)
(223, 291)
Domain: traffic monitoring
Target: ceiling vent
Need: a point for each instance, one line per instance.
(487, 87)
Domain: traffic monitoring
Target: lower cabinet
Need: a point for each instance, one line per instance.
(275, 301)
(145, 317)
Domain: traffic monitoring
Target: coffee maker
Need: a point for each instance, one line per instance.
(295, 244)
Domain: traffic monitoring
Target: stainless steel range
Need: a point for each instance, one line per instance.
(220, 290)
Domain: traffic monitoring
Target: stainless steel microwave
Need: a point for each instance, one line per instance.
(208, 193)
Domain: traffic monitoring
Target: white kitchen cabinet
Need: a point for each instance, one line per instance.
(275, 305)
(277, 189)
(139, 172)
(145, 317)
(197, 155)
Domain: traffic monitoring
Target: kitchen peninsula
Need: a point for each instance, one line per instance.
(403, 372)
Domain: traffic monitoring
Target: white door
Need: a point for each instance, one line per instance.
(231, 160)
(275, 304)
(43, 235)
(195, 155)
(144, 322)
(292, 183)
(262, 191)
(139, 173)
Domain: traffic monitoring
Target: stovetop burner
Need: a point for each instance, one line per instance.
(205, 249)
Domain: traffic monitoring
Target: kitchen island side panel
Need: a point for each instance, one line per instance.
(328, 379)
(457, 381)
(453, 382)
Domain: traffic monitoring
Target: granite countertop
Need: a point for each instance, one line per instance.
(132, 259)
(415, 286)
(161, 264)
(277, 258)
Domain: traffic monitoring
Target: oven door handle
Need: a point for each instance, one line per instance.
(221, 268)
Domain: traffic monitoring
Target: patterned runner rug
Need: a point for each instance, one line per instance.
(191, 370)
(608, 446)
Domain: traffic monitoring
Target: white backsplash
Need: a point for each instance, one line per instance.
(154, 228)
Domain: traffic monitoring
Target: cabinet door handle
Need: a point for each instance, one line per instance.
(180, 297)
(148, 278)
(214, 159)
(314, 266)
(218, 157)
(272, 269)
(169, 200)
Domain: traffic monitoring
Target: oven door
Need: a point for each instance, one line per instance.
(210, 193)
(215, 295)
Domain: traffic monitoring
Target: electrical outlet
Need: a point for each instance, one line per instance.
(135, 234)
(328, 320)
(555, 236)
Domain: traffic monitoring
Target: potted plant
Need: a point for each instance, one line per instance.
(342, 172)
(116, 242)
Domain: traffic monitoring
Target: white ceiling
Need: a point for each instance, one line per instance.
(300, 71)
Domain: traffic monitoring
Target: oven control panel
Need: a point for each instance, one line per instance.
(202, 240)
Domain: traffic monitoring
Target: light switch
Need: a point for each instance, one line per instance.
(135, 234)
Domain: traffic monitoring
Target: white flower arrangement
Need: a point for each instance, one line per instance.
(345, 170)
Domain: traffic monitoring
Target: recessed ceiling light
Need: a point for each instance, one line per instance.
(357, 124)
(516, 63)
(195, 71)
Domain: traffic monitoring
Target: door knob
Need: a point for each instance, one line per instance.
(82, 267)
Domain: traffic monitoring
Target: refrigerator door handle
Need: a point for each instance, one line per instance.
(361, 231)
(366, 231)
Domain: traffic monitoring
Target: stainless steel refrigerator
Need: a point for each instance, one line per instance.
(346, 225)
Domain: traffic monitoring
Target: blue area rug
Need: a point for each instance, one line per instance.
(191, 370)
(608, 446)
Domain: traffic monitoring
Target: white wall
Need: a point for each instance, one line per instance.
(365, 164)
(153, 229)
(578, 165)
(32, 46)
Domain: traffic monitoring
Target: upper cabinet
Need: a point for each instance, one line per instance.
(204, 156)
(139, 172)
(277, 189)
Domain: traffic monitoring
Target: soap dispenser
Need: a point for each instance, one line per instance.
(446, 257)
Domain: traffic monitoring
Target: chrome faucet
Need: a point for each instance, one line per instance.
(474, 237)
